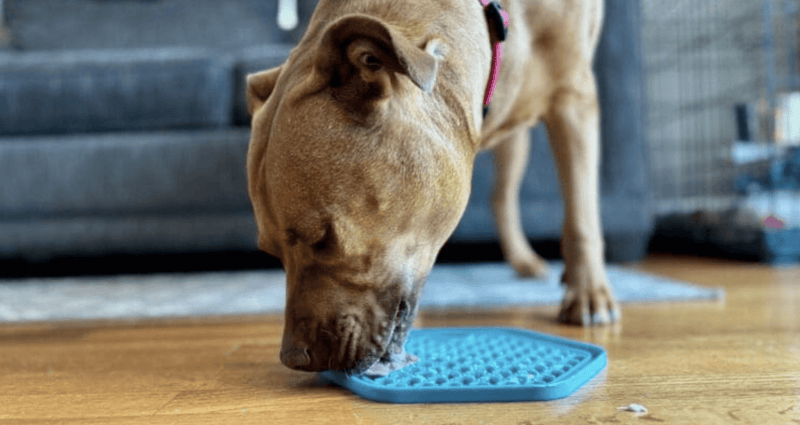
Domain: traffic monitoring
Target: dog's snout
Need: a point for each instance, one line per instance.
(296, 357)
(295, 352)
(339, 345)
(308, 347)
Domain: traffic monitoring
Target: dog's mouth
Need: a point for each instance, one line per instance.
(394, 356)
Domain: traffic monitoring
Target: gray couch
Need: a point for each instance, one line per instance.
(112, 140)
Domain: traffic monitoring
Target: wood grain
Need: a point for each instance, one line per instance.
(733, 361)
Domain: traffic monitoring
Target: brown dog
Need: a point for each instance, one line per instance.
(361, 157)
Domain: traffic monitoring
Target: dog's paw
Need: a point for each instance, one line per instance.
(588, 302)
(529, 264)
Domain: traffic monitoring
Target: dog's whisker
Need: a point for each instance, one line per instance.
(352, 351)
(343, 346)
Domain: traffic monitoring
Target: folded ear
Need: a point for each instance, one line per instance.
(259, 87)
(363, 53)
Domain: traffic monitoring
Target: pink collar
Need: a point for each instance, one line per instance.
(498, 22)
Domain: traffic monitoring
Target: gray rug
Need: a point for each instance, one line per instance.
(253, 292)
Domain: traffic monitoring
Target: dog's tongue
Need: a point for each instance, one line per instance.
(394, 362)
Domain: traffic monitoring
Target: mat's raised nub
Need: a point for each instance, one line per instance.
(458, 365)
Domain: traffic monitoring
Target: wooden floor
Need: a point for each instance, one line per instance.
(736, 360)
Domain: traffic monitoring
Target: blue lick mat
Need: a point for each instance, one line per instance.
(458, 365)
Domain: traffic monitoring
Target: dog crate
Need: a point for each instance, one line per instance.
(724, 125)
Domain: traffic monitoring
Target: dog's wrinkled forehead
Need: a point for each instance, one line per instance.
(347, 139)
(322, 149)
(370, 188)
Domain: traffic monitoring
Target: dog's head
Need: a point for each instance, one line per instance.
(356, 184)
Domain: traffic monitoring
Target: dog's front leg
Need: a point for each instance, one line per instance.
(511, 159)
(573, 128)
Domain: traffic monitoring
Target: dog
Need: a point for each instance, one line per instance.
(361, 153)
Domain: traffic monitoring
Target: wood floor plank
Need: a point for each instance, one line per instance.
(731, 361)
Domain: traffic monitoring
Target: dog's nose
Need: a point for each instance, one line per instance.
(295, 351)
(296, 357)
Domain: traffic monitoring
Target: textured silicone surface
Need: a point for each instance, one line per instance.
(481, 365)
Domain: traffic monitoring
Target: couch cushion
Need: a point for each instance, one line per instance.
(121, 174)
(41, 240)
(119, 89)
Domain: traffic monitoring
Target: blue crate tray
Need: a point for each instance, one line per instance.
(699, 231)
(458, 365)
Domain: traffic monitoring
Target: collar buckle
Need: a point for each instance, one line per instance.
(494, 14)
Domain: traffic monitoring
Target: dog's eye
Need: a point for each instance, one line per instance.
(370, 61)
(325, 243)
(320, 246)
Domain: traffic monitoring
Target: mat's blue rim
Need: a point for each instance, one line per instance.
(562, 387)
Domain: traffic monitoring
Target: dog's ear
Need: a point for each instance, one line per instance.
(363, 47)
(259, 87)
